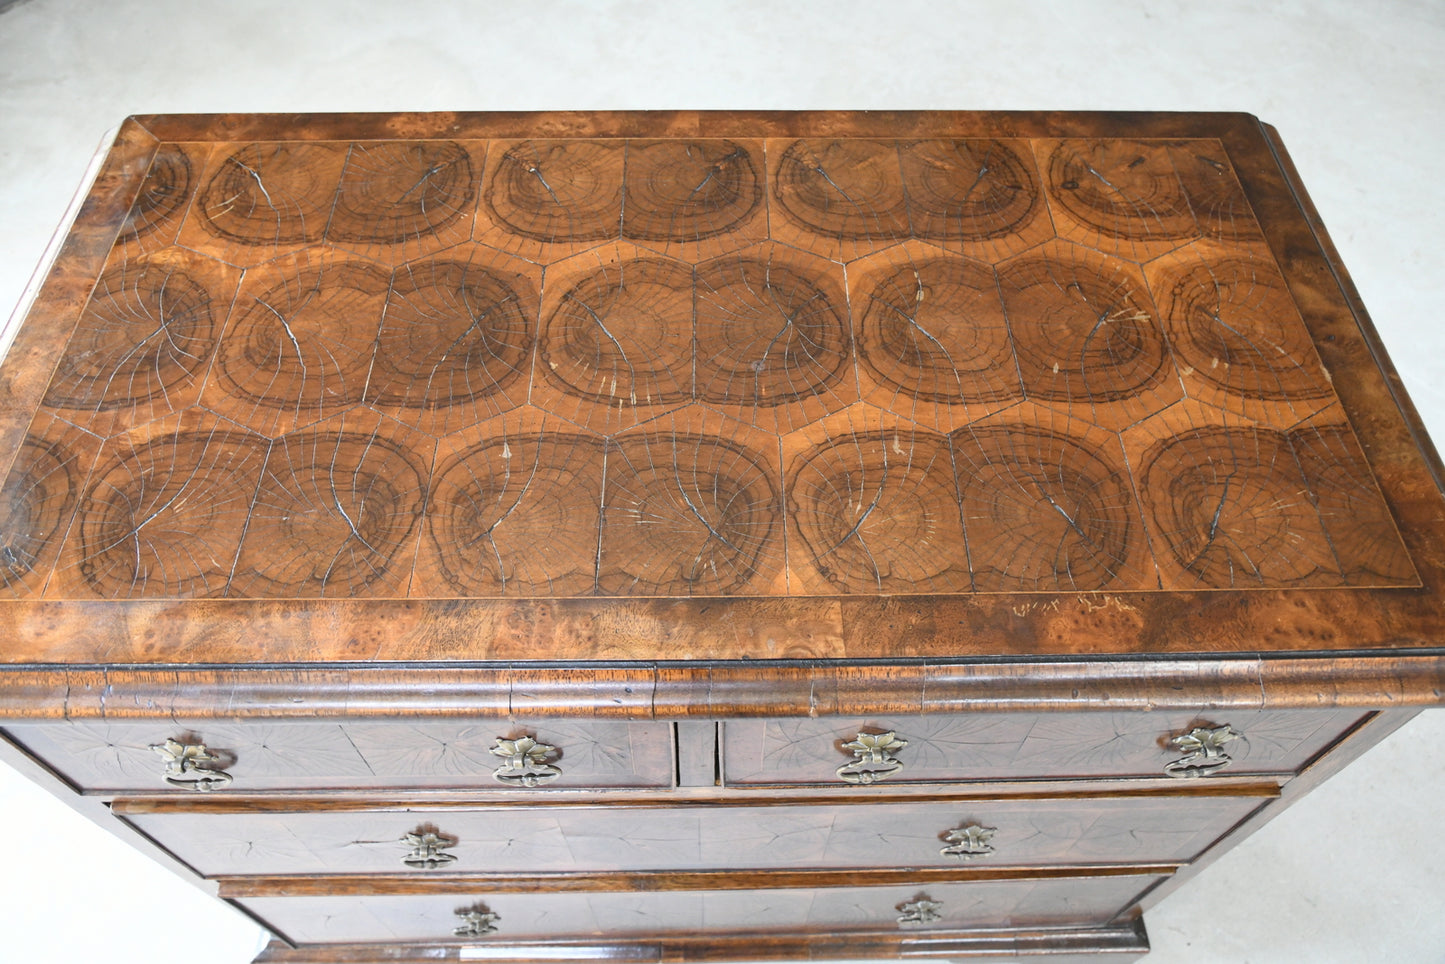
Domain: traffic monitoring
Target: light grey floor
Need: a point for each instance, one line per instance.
(1358, 91)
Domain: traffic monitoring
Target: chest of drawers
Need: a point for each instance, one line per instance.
(729, 536)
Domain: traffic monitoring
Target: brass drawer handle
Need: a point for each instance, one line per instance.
(428, 849)
(193, 766)
(874, 760)
(476, 921)
(524, 762)
(969, 842)
(921, 910)
(1203, 751)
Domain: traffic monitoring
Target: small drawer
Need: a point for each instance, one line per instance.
(699, 836)
(479, 917)
(485, 755)
(950, 748)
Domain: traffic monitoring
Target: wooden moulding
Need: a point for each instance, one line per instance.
(309, 803)
(1118, 943)
(669, 691)
(369, 885)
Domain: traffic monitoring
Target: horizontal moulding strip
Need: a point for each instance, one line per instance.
(709, 799)
(357, 885)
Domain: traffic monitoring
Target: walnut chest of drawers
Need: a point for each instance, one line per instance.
(671, 536)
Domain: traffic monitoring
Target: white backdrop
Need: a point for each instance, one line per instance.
(1357, 91)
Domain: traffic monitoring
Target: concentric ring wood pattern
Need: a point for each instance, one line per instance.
(616, 338)
(551, 197)
(38, 502)
(336, 512)
(691, 510)
(839, 198)
(773, 344)
(515, 513)
(1231, 507)
(702, 194)
(300, 343)
(1086, 335)
(933, 337)
(165, 194)
(397, 191)
(145, 341)
(456, 339)
(164, 512)
(1237, 335)
(744, 364)
(261, 200)
(1048, 505)
(875, 507)
(978, 197)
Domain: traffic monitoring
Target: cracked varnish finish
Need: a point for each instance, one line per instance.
(799, 370)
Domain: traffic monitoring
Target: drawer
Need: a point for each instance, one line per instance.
(485, 755)
(1143, 829)
(560, 916)
(988, 746)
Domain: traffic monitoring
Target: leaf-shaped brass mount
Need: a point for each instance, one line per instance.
(921, 910)
(969, 842)
(192, 766)
(476, 921)
(1203, 751)
(428, 849)
(874, 761)
(524, 762)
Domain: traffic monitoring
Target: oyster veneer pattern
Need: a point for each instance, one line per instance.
(690, 366)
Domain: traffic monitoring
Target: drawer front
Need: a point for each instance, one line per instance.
(1001, 903)
(151, 756)
(1138, 830)
(988, 746)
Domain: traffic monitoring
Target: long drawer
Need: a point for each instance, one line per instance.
(987, 746)
(560, 916)
(697, 835)
(482, 755)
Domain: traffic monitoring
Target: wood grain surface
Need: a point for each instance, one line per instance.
(996, 746)
(1117, 944)
(1045, 374)
(392, 757)
(709, 837)
(558, 916)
